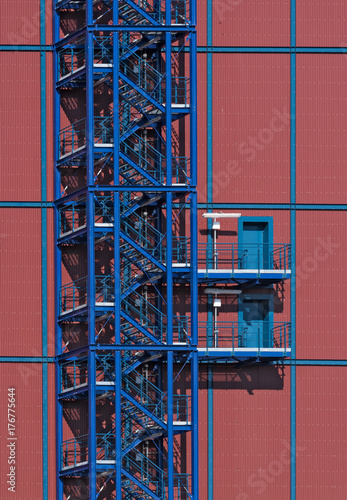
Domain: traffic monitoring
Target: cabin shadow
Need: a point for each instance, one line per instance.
(250, 378)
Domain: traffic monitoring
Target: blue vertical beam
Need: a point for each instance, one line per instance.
(209, 234)
(44, 250)
(170, 434)
(169, 340)
(90, 253)
(90, 176)
(169, 278)
(116, 200)
(91, 267)
(89, 108)
(209, 106)
(116, 256)
(293, 243)
(92, 424)
(118, 424)
(168, 117)
(57, 260)
(194, 258)
(210, 470)
(195, 423)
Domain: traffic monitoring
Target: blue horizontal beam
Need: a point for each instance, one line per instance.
(274, 206)
(200, 49)
(154, 29)
(287, 362)
(50, 359)
(26, 48)
(269, 50)
(316, 362)
(26, 204)
(26, 359)
(243, 274)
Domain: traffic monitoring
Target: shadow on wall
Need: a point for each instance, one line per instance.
(206, 232)
(246, 378)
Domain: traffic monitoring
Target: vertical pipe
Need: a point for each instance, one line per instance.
(169, 278)
(92, 424)
(209, 206)
(90, 252)
(117, 259)
(194, 256)
(89, 108)
(57, 261)
(168, 117)
(193, 12)
(91, 268)
(118, 424)
(170, 435)
(169, 282)
(169, 340)
(293, 248)
(195, 423)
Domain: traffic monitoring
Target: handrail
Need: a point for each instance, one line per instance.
(73, 373)
(74, 294)
(73, 136)
(256, 256)
(151, 317)
(235, 334)
(179, 10)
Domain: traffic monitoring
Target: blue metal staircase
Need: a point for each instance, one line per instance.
(119, 254)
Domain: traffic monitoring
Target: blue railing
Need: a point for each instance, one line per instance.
(154, 320)
(73, 373)
(155, 478)
(155, 400)
(254, 334)
(231, 256)
(141, 152)
(180, 90)
(74, 451)
(73, 137)
(72, 217)
(144, 75)
(104, 209)
(157, 9)
(103, 49)
(74, 294)
(105, 367)
(71, 59)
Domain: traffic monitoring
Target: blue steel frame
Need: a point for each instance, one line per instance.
(167, 33)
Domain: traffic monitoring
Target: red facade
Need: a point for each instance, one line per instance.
(26, 378)
(20, 127)
(251, 104)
